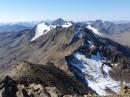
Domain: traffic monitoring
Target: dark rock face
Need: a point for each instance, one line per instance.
(10, 87)
(25, 94)
(107, 48)
(59, 22)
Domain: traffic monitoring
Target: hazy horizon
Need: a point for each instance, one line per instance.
(75, 10)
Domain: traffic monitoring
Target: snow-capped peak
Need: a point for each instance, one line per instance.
(42, 29)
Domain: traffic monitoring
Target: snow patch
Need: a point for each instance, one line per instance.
(66, 25)
(93, 74)
(106, 69)
(94, 30)
(91, 45)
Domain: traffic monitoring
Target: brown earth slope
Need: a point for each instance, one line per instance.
(122, 38)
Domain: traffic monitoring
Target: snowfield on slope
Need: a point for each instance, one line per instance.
(93, 75)
(41, 29)
(94, 30)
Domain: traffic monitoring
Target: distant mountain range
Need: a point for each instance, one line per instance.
(16, 27)
(110, 27)
(105, 26)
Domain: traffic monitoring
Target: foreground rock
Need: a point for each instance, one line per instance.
(30, 80)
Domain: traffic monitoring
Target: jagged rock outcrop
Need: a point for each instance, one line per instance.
(9, 87)
(30, 80)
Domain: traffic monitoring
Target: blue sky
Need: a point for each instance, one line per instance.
(77, 10)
